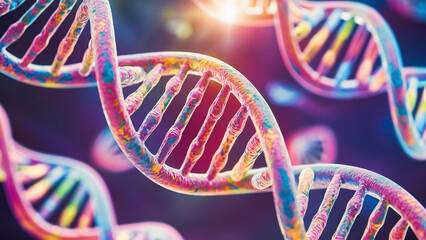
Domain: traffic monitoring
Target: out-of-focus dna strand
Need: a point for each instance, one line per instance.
(346, 50)
(100, 65)
(284, 95)
(107, 155)
(58, 74)
(414, 9)
(351, 52)
(316, 144)
(333, 178)
(54, 197)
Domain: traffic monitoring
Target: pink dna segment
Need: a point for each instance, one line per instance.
(334, 177)
(58, 74)
(360, 73)
(346, 50)
(154, 165)
(40, 185)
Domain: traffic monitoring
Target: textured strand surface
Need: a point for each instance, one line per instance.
(196, 149)
(68, 43)
(154, 116)
(321, 217)
(376, 220)
(41, 41)
(174, 134)
(245, 163)
(220, 158)
(353, 208)
(306, 179)
(399, 230)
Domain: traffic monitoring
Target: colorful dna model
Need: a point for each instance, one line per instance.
(57, 74)
(333, 178)
(315, 144)
(101, 66)
(361, 72)
(131, 141)
(414, 9)
(40, 186)
(110, 73)
(333, 49)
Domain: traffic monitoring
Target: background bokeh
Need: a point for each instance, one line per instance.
(66, 121)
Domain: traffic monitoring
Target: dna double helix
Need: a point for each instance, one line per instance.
(41, 186)
(346, 50)
(334, 177)
(100, 66)
(331, 177)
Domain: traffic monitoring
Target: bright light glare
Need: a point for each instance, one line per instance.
(229, 12)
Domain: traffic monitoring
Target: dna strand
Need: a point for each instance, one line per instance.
(346, 50)
(58, 74)
(101, 66)
(413, 9)
(40, 186)
(333, 178)
(108, 73)
(314, 144)
(360, 73)
(153, 165)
